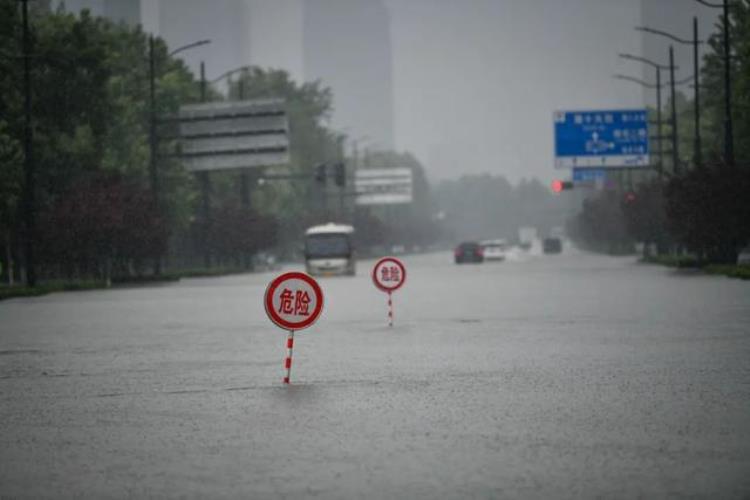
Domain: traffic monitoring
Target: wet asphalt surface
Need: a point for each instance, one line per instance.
(571, 376)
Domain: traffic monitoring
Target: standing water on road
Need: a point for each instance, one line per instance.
(561, 376)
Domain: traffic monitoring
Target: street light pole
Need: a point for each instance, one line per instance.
(697, 153)
(152, 141)
(658, 68)
(29, 191)
(244, 175)
(728, 128)
(696, 76)
(658, 86)
(658, 122)
(675, 149)
(205, 183)
(153, 138)
(728, 132)
(152, 121)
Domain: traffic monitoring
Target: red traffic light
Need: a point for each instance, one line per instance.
(558, 185)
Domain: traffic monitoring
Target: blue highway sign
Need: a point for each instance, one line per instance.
(601, 139)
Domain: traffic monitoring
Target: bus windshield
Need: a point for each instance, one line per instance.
(328, 245)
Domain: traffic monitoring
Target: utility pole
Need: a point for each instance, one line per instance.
(697, 154)
(675, 150)
(152, 140)
(205, 183)
(152, 120)
(658, 122)
(696, 80)
(728, 133)
(244, 175)
(29, 191)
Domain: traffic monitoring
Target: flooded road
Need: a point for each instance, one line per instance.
(560, 376)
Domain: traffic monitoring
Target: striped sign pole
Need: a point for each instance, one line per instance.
(390, 309)
(288, 360)
(388, 275)
(293, 302)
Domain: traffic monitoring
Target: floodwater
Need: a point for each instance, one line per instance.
(542, 376)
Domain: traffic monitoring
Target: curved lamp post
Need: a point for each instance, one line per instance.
(153, 139)
(659, 67)
(658, 86)
(697, 153)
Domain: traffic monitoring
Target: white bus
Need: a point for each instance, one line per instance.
(329, 250)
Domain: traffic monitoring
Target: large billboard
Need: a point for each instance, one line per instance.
(233, 135)
(601, 139)
(383, 186)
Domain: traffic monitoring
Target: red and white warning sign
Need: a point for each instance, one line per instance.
(389, 274)
(293, 301)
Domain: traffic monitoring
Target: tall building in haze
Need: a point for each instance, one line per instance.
(347, 45)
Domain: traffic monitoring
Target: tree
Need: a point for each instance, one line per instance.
(308, 107)
(709, 211)
(101, 224)
(645, 215)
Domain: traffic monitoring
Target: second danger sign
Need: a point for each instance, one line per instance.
(293, 301)
(389, 274)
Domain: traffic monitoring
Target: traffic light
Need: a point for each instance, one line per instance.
(559, 186)
(320, 173)
(339, 174)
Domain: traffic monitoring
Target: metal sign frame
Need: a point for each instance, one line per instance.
(233, 135)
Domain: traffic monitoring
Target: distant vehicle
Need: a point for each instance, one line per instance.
(494, 249)
(329, 250)
(526, 237)
(468, 251)
(552, 245)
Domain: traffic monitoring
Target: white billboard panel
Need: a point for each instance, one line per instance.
(383, 186)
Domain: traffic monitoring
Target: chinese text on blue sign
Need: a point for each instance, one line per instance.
(596, 139)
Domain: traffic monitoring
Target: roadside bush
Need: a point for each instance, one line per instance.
(708, 211)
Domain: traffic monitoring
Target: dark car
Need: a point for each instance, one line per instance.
(552, 245)
(468, 251)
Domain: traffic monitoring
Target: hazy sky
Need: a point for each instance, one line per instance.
(476, 81)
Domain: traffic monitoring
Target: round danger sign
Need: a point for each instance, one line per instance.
(389, 274)
(293, 301)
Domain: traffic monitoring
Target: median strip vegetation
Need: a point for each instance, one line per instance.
(741, 271)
